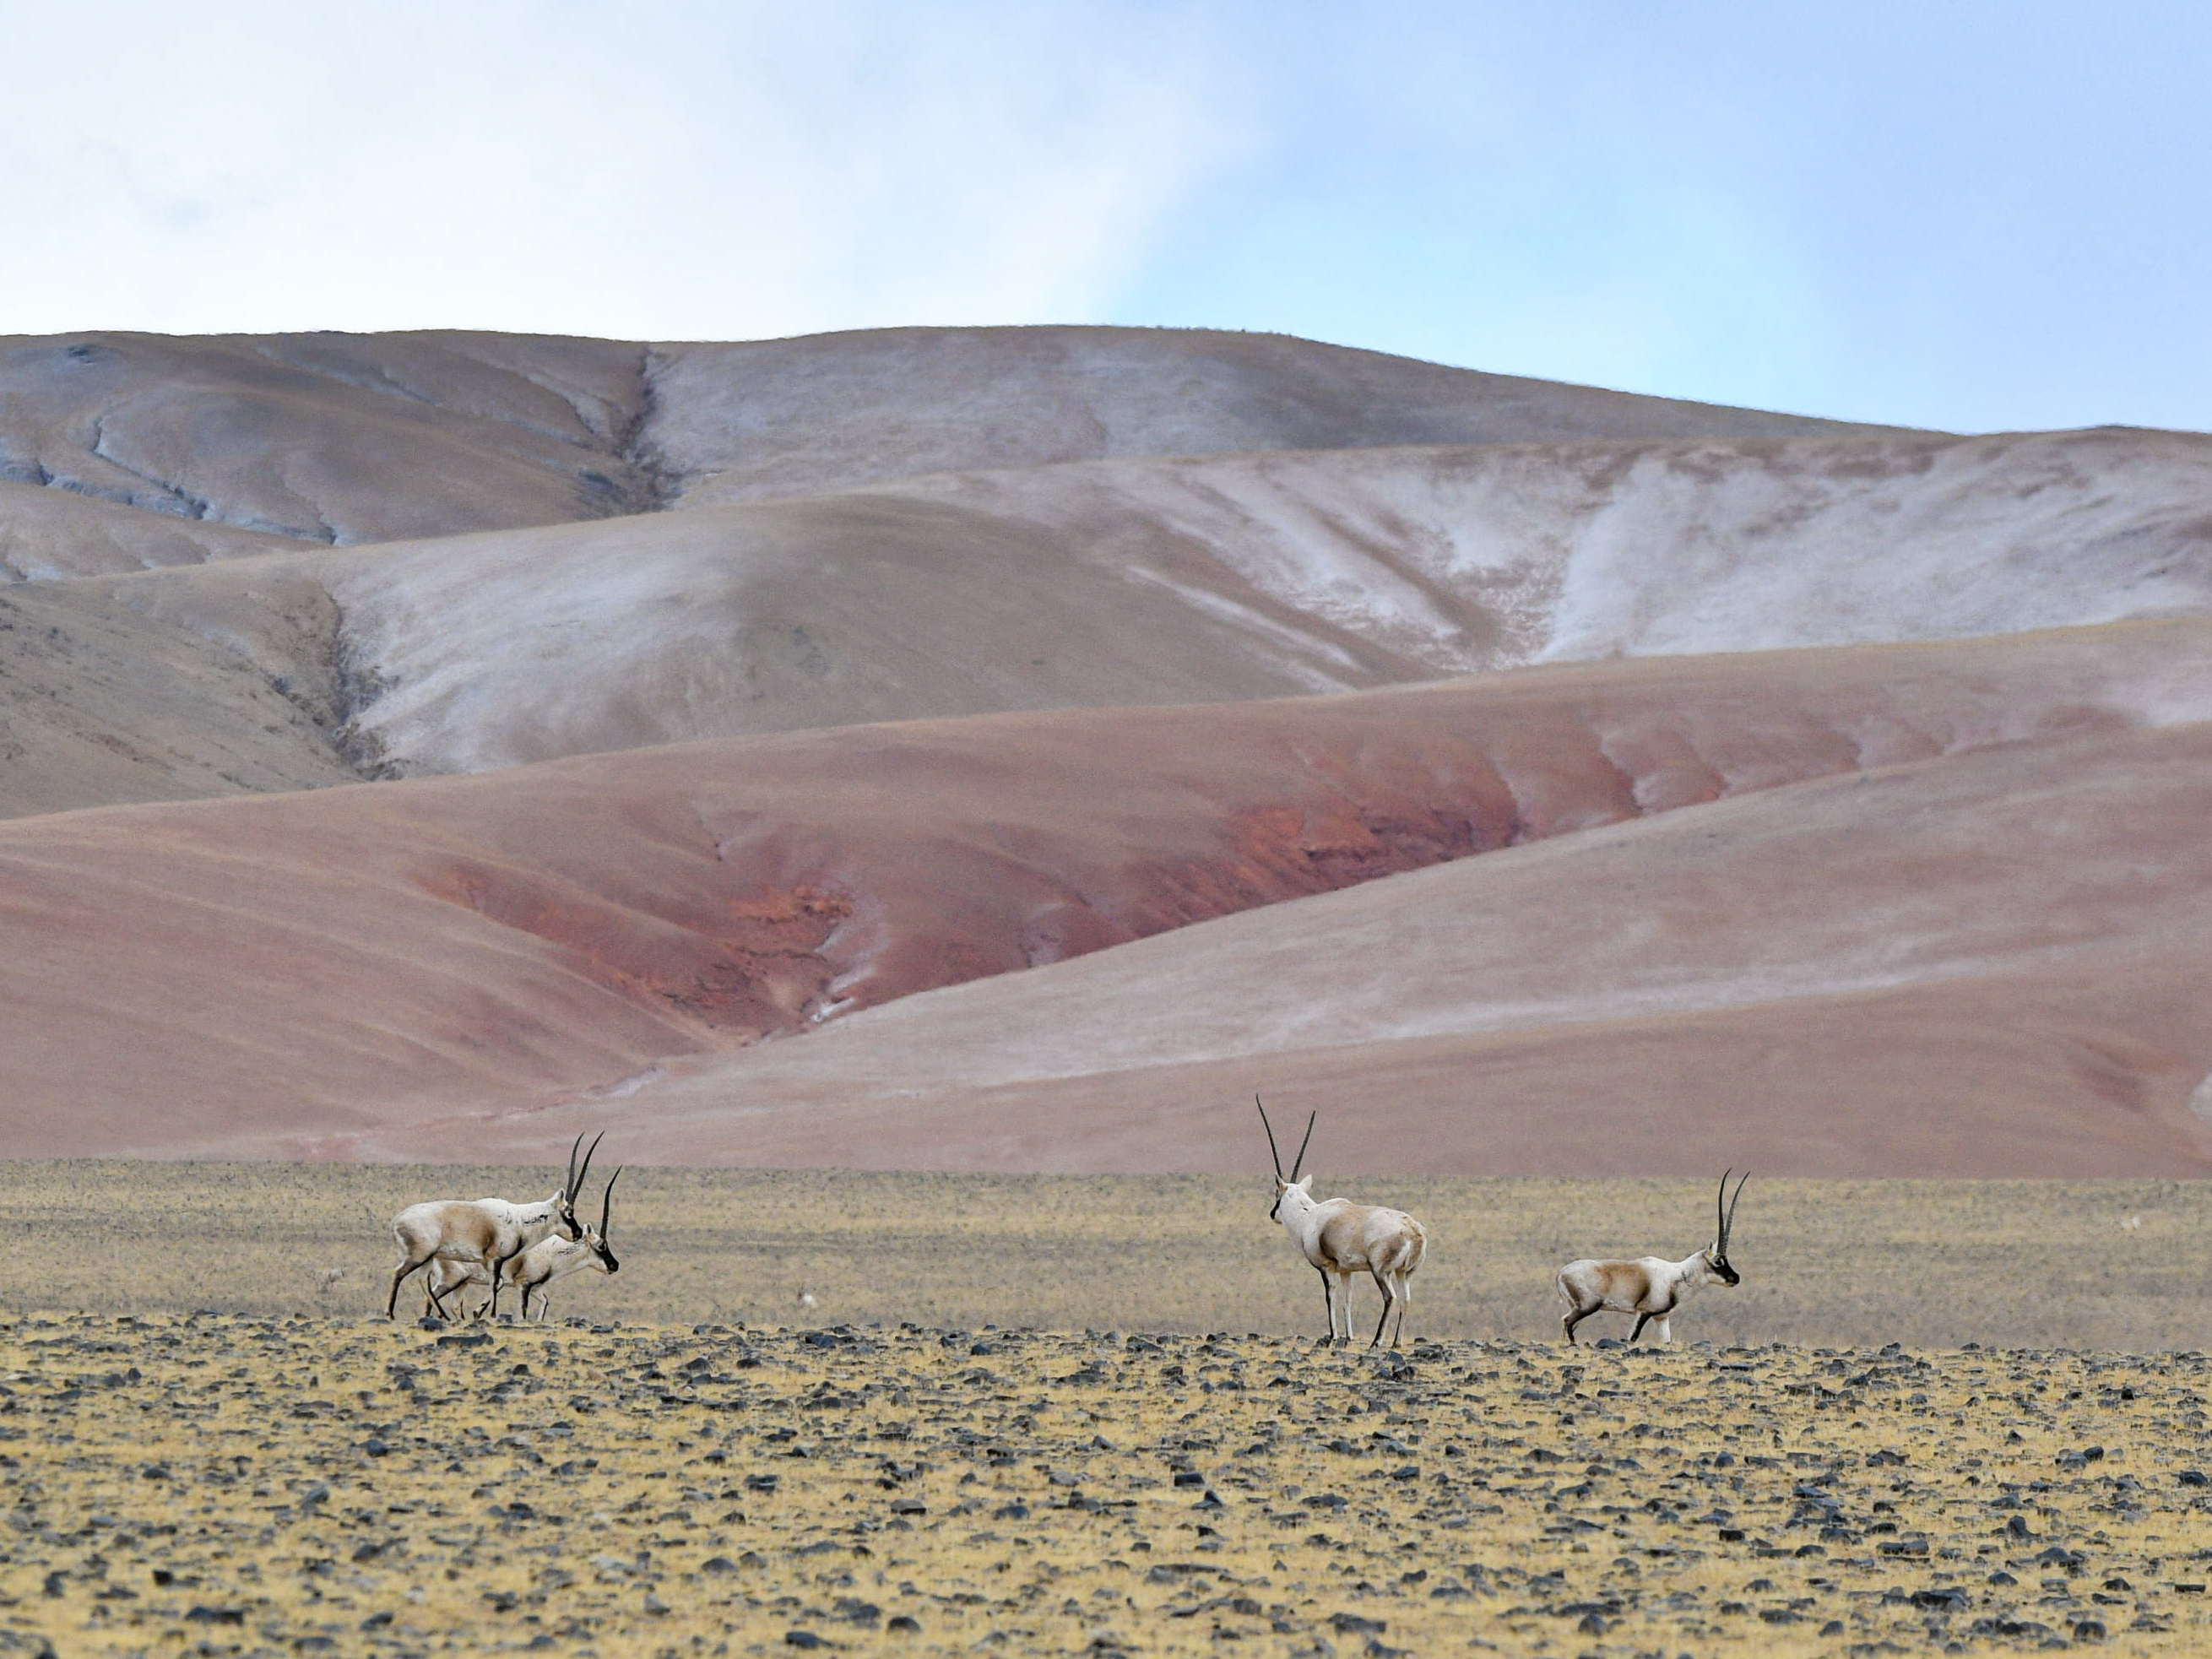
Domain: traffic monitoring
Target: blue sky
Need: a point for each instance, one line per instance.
(1970, 214)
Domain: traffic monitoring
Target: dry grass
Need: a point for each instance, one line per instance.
(293, 1475)
(1930, 1264)
(210, 1484)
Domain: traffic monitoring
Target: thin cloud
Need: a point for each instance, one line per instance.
(660, 171)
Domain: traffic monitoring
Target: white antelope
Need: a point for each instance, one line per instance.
(1341, 1238)
(1650, 1287)
(551, 1258)
(490, 1231)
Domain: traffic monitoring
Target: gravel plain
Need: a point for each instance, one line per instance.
(219, 1484)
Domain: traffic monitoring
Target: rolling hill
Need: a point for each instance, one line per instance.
(1003, 748)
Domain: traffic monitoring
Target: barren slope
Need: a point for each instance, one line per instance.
(1988, 963)
(328, 437)
(742, 421)
(48, 534)
(273, 971)
(1164, 581)
(99, 709)
(1983, 954)
(346, 438)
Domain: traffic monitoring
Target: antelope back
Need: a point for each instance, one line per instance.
(465, 1224)
(1350, 1232)
(1614, 1283)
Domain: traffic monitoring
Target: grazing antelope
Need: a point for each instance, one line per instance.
(551, 1258)
(490, 1231)
(1341, 1238)
(1650, 1287)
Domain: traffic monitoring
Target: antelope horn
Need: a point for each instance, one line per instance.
(607, 1201)
(569, 1186)
(1272, 1150)
(1728, 1223)
(1299, 1161)
(576, 1184)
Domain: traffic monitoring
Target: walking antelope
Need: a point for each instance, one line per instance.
(1341, 1238)
(1650, 1287)
(490, 1231)
(551, 1258)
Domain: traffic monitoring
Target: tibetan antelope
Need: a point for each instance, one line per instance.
(490, 1231)
(551, 1258)
(1341, 1238)
(1650, 1287)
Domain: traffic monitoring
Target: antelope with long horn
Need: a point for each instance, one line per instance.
(1650, 1287)
(551, 1258)
(1341, 1238)
(489, 1230)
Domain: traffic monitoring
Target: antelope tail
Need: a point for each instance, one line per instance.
(1408, 1254)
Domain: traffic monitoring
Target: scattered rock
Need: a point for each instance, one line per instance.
(896, 1482)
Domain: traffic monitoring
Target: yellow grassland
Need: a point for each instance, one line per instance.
(1930, 1264)
(697, 1467)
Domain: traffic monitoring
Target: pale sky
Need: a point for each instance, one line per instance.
(1976, 213)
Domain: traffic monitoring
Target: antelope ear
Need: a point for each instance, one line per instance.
(1305, 1185)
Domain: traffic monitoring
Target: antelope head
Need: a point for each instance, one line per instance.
(1283, 1184)
(1724, 1218)
(564, 1204)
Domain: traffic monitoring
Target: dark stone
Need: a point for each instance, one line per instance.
(1948, 1599)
